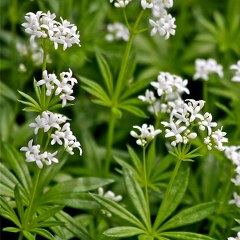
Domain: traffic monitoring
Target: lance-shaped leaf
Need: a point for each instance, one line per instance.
(124, 231)
(28, 235)
(19, 203)
(132, 109)
(169, 205)
(73, 226)
(106, 72)
(96, 90)
(190, 215)
(135, 159)
(84, 184)
(186, 236)
(7, 92)
(137, 197)
(118, 210)
(7, 212)
(11, 229)
(31, 101)
(43, 232)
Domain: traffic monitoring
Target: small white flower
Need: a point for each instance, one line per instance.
(149, 97)
(236, 67)
(147, 133)
(235, 200)
(146, 4)
(236, 180)
(219, 139)
(120, 3)
(165, 26)
(174, 131)
(207, 123)
(236, 238)
(205, 67)
(233, 154)
(117, 31)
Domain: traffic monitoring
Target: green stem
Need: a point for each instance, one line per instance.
(223, 201)
(145, 175)
(29, 212)
(168, 191)
(205, 94)
(110, 133)
(120, 80)
(44, 66)
(20, 237)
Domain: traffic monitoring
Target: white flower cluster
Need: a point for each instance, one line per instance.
(169, 88)
(33, 154)
(33, 51)
(51, 122)
(111, 195)
(120, 3)
(117, 31)
(233, 154)
(147, 134)
(163, 22)
(236, 238)
(62, 87)
(205, 67)
(185, 117)
(236, 67)
(44, 25)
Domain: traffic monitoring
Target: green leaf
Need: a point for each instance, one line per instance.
(84, 184)
(135, 87)
(118, 210)
(7, 212)
(96, 90)
(124, 231)
(45, 215)
(43, 232)
(106, 72)
(7, 91)
(168, 206)
(7, 178)
(28, 235)
(30, 99)
(37, 90)
(137, 197)
(190, 215)
(185, 236)
(73, 226)
(135, 159)
(18, 200)
(48, 224)
(19, 167)
(11, 229)
(145, 237)
(132, 109)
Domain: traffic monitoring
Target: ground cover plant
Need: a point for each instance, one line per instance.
(120, 119)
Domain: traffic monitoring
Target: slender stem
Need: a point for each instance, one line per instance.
(168, 191)
(205, 94)
(110, 133)
(120, 80)
(29, 212)
(44, 66)
(20, 237)
(145, 175)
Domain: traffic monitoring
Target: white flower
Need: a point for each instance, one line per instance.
(233, 154)
(146, 4)
(219, 139)
(235, 200)
(205, 67)
(236, 238)
(33, 154)
(207, 123)
(149, 97)
(236, 67)
(48, 80)
(194, 107)
(147, 133)
(165, 26)
(174, 131)
(120, 3)
(236, 180)
(171, 86)
(117, 31)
